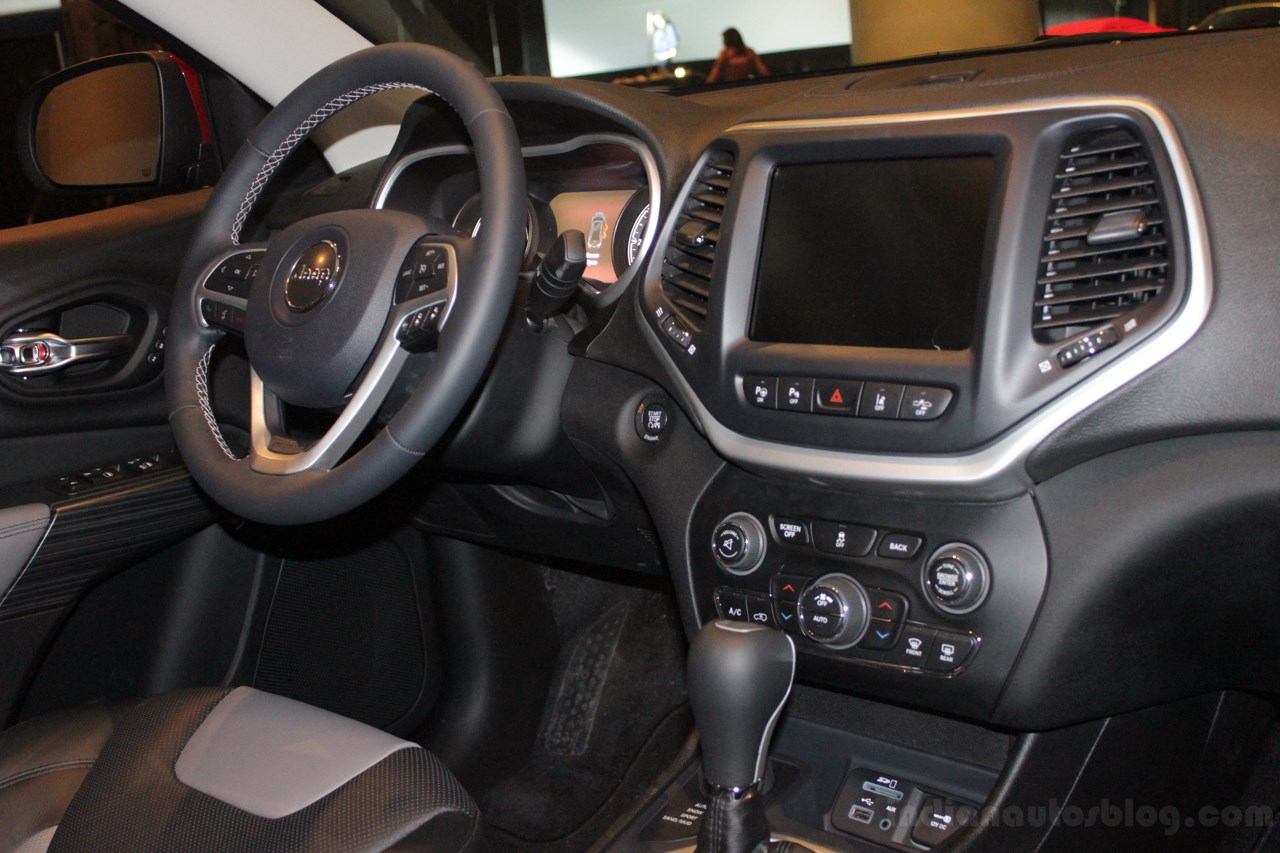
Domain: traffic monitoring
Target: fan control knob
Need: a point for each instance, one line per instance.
(835, 611)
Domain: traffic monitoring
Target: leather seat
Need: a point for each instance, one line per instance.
(224, 769)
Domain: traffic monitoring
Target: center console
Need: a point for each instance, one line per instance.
(905, 599)
(877, 319)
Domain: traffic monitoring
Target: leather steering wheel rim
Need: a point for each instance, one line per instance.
(487, 268)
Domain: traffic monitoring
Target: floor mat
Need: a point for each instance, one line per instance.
(614, 719)
(573, 716)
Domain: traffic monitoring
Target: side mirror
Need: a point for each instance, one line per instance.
(126, 122)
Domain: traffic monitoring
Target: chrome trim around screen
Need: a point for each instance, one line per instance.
(998, 469)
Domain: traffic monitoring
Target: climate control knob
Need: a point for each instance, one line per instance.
(835, 611)
(738, 544)
(956, 579)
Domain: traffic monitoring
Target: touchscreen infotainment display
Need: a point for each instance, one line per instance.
(874, 253)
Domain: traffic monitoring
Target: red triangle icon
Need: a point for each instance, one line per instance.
(836, 397)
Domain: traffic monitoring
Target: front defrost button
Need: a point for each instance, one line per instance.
(914, 647)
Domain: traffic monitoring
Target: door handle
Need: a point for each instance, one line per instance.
(44, 352)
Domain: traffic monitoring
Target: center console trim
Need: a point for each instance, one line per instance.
(996, 469)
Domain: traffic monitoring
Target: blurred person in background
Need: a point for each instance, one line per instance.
(736, 61)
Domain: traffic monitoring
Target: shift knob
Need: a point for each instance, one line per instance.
(739, 677)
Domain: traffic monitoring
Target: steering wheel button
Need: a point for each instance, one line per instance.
(430, 264)
(229, 286)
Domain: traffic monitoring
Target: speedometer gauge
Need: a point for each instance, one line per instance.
(633, 224)
(467, 222)
(635, 240)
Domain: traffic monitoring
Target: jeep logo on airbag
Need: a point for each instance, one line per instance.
(312, 277)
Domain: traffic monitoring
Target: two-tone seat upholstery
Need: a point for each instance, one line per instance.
(222, 769)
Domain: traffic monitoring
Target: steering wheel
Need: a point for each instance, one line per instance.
(332, 306)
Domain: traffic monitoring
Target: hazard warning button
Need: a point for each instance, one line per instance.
(836, 396)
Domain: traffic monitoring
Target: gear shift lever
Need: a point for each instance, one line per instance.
(739, 678)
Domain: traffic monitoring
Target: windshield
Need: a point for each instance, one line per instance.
(683, 43)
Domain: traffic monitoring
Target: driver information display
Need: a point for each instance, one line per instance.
(595, 214)
(874, 253)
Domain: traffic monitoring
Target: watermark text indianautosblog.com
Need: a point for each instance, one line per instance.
(1125, 813)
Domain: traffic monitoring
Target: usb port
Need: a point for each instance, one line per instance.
(861, 814)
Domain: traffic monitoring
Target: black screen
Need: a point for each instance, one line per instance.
(874, 253)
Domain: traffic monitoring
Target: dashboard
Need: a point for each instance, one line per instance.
(959, 371)
(967, 358)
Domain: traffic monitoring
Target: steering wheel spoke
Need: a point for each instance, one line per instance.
(274, 451)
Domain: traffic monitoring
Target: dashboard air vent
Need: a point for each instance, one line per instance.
(1105, 249)
(690, 257)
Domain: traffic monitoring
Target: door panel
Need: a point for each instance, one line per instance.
(110, 273)
(90, 441)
